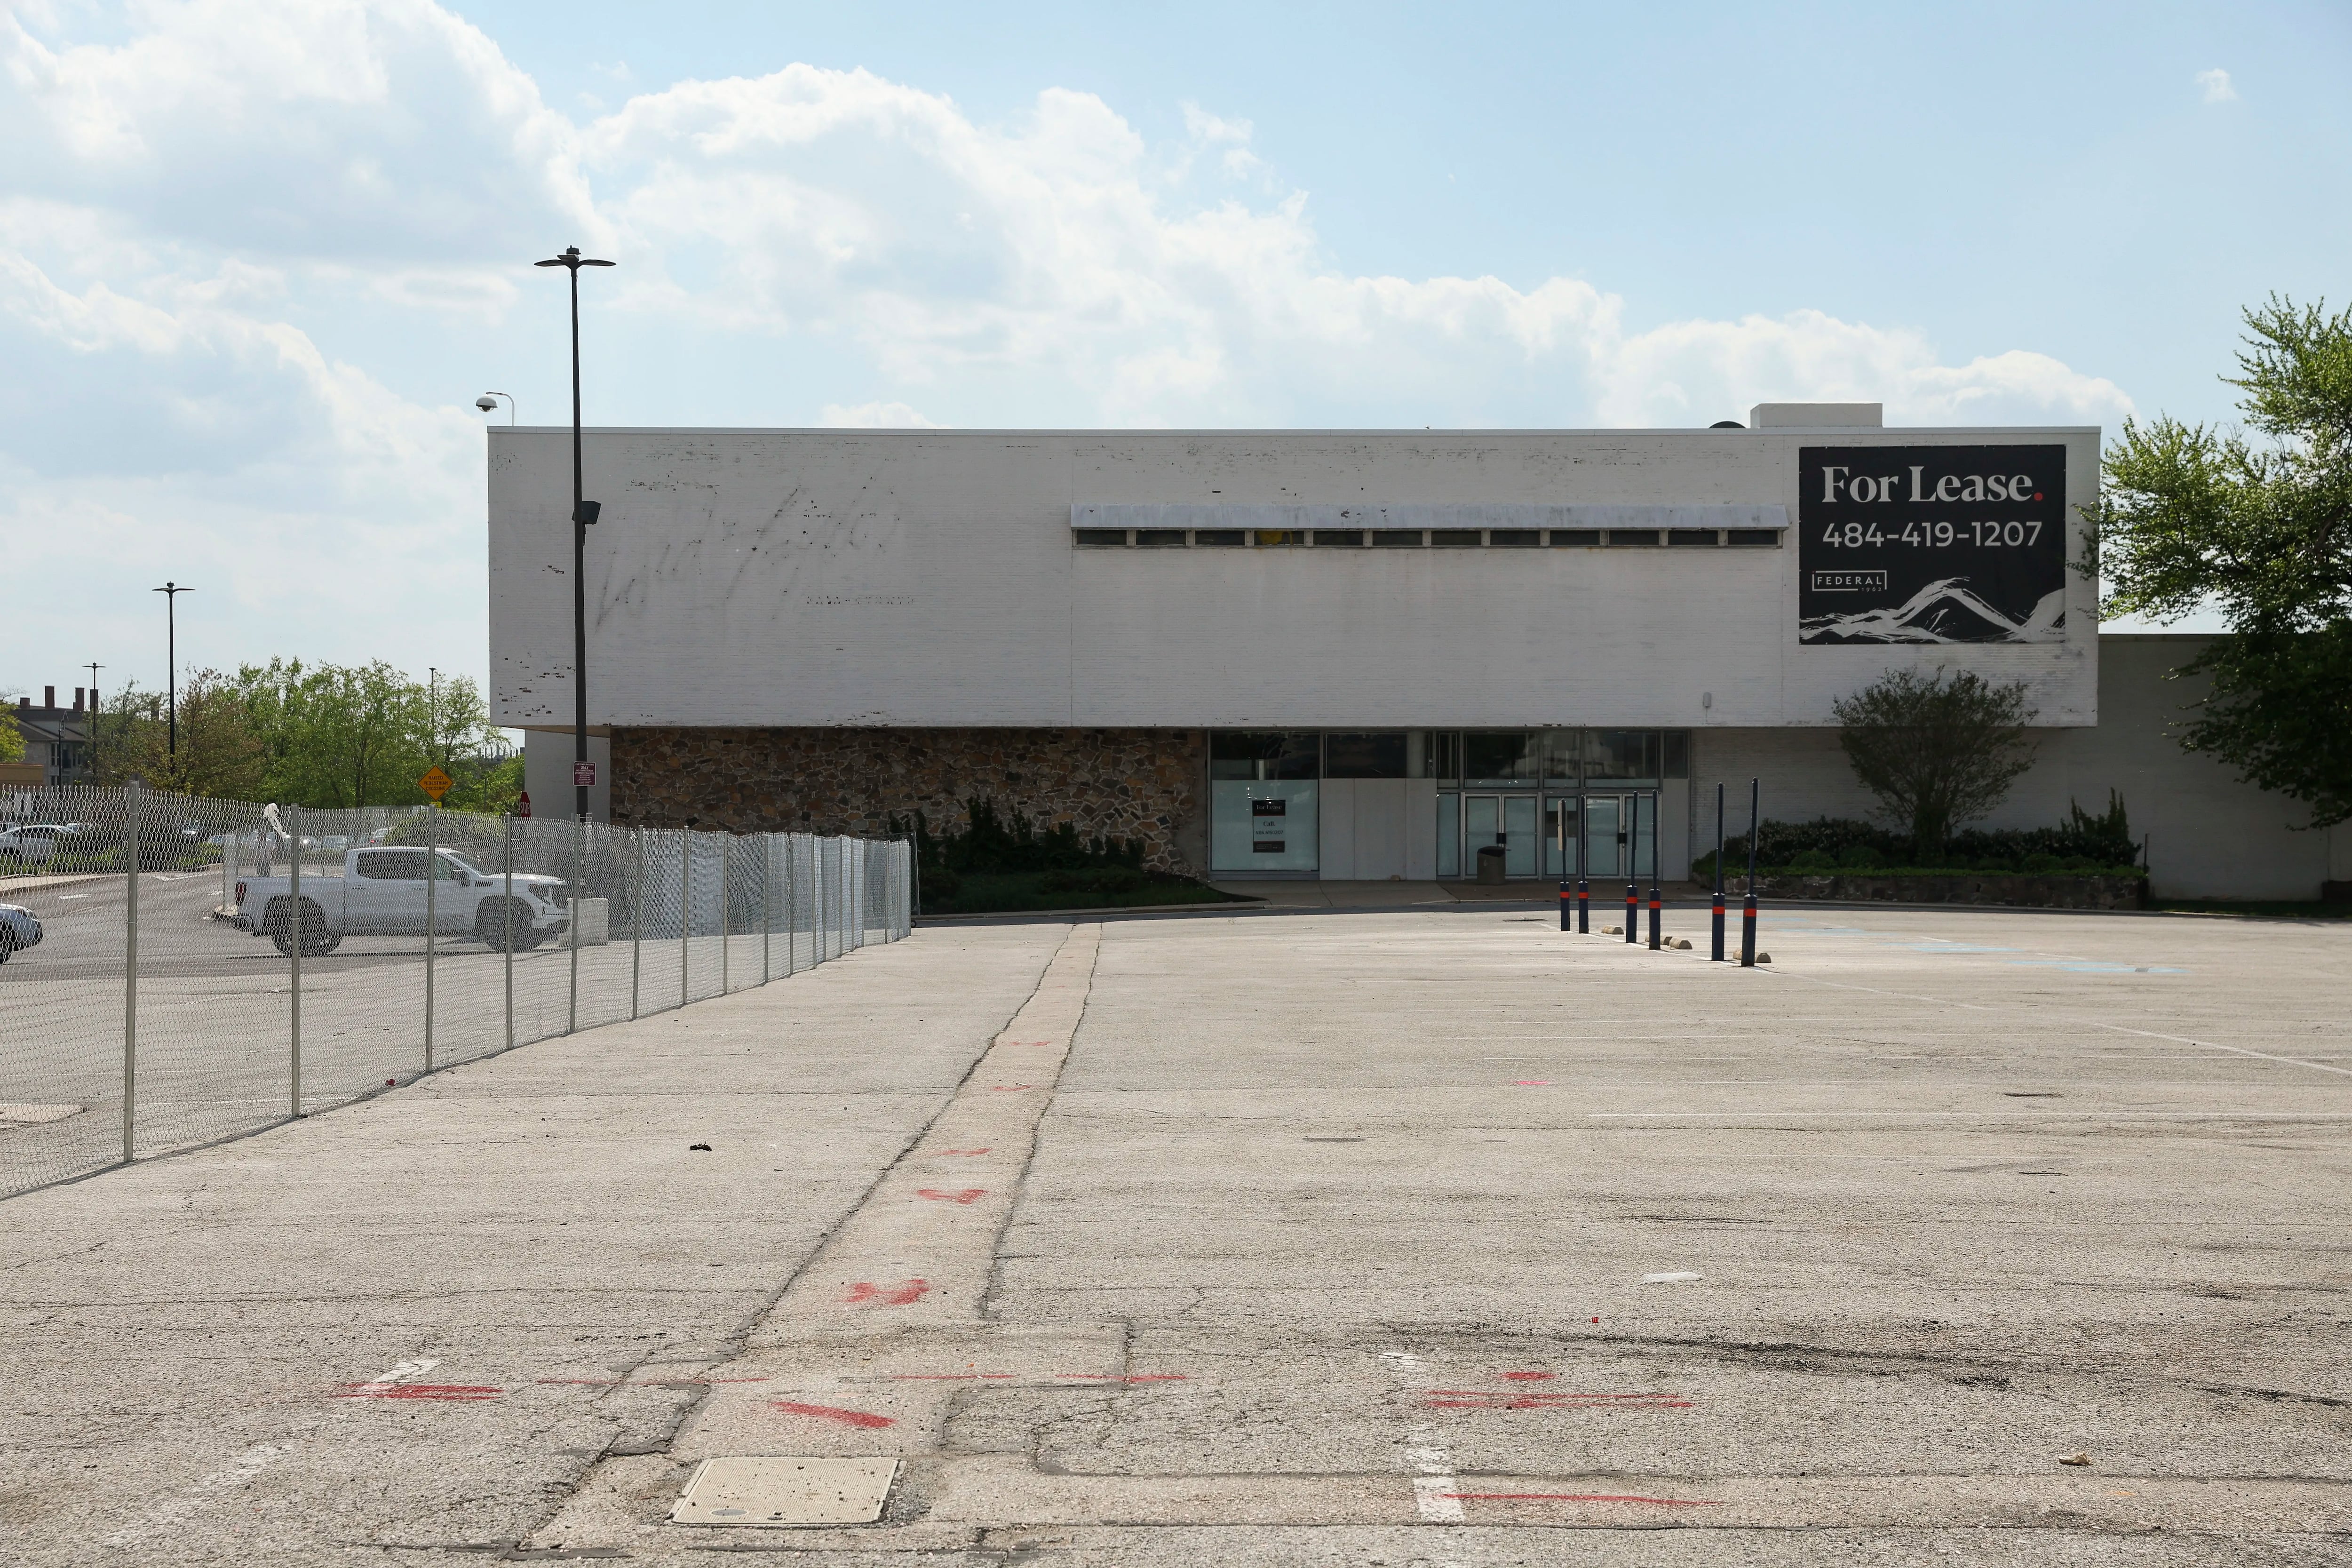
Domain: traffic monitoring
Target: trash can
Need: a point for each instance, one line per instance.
(1490, 865)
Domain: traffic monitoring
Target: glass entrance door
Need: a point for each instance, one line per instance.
(1508, 820)
(1604, 837)
(1620, 833)
(1561, 827)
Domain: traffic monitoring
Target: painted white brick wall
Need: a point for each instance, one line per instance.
(927, 578)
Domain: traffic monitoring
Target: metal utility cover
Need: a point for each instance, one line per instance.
(776, 1490)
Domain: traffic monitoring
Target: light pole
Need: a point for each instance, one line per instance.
(583, 513)
(488, 402)
(172, 592)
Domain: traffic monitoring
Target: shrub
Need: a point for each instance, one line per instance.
(989, 845)
(2083, 842)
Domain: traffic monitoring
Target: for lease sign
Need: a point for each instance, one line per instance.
(1931, 545)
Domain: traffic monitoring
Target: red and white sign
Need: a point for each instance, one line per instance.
(584, 775)
(522, 807)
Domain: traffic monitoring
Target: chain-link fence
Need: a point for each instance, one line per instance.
(175, 970)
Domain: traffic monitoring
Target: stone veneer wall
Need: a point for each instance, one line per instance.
(1118, 783)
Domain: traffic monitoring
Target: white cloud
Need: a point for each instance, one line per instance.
(884, 415)
(2218, 87)
(224, 235)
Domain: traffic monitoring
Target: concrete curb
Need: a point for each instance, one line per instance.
(32, 884)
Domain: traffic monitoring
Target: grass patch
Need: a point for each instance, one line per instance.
(1002, 892)
(2275, 908)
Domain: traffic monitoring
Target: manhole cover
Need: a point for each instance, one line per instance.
(773, 1490)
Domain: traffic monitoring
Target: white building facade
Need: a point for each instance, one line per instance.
(1346, 655)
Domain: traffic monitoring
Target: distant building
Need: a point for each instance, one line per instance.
(57, 740)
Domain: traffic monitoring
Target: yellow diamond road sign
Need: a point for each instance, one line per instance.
(436, 784)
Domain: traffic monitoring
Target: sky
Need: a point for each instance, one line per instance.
(259, 259)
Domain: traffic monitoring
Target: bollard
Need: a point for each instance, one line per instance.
(1583, 907)
(1566, 906)
(1657, 904)
(1633, 911)
(1748, 910)
(1714, 954)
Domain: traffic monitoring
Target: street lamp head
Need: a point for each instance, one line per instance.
(486, 403)
(571, 258)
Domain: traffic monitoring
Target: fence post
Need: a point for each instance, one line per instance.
(579, 907)
(792, 911)
(726, 884)
(131, 969)
(685, 914)
(636, 915)
(506, 916)
(295, 927)
(432, 917)
(767, 917)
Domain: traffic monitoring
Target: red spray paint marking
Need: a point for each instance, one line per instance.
(655, 1382)
(1529, 1376)
(1118, 1377)
(983, 1151)
(438, 1391)
(1578, 1497)
(833, 1413)
(965, 1197)
(944, 1376)
(1009, 1087)
(1531, 1082)
(904, 1294)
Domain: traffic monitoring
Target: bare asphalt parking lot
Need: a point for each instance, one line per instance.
(1326, 1237)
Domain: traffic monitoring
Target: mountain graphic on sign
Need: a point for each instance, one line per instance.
(1942, 612)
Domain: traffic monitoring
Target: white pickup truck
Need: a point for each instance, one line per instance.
(380, 893)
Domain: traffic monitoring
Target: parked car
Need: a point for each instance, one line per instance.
(382, 893)
(18, 930)
(36, 843)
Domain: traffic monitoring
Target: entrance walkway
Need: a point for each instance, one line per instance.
(1433, 1235)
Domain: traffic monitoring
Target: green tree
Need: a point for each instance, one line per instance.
(12, 738)
(2193, 518)
(1938, 751)
(340, 735)
(220, 750)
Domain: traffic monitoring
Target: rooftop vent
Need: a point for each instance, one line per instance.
(1818, 416)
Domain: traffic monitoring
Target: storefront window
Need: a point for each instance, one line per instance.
(1364, 755)
(1441, 754)
(1563, 755)
(1261, 826)
(1620, 754)
(1500, 757)
(1265, 754)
